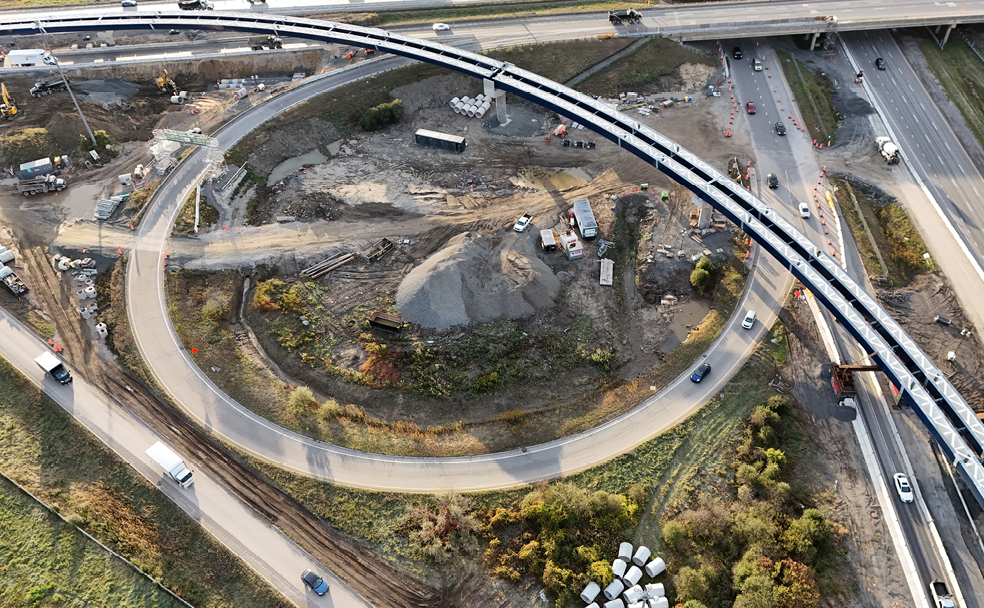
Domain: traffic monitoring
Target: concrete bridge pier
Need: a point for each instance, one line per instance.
(813, 41)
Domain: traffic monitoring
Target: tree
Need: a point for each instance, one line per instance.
(381, 115)
(794, 585)
(700, 279)
(693, 584)
(694, 604)
(805, 534)
(674, 533)
(706, 264)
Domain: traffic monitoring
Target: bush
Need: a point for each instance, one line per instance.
(700, 279)
(103, 141)
(382, 115)
(215, 309)
(301, 400)
(27, 145)
(264, 294)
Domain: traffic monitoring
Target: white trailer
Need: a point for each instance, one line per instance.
(171, 463)
(28, 58)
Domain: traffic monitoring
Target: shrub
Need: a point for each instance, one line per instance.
(382, 115)
(301, 400)
(700, 279)
(103, 141)
(27, 145)
(215, 309)
(264, 294)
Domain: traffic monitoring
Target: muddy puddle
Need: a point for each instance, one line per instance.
(685, 318)
(79, 201)
(293, 164)
(550, 179)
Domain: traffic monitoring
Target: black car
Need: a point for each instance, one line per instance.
(315, 582)
(780, 128)
(880, 63)
(702, 370)
(736, 53)
(773, 181)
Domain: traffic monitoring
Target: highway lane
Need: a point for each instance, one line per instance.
(237, 525)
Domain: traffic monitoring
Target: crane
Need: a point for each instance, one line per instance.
(8, 109)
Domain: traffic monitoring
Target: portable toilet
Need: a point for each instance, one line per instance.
(548, 240)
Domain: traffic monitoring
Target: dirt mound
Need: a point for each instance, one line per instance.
(477, 278)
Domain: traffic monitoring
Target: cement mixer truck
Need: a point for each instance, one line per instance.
(888, 150)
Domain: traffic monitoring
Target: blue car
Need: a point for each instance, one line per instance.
(702, 370)
(128, 3)
(315, 582)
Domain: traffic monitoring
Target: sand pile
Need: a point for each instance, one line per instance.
(475, 279)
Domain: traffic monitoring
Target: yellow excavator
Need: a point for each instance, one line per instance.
(8, 109)
(164, 83)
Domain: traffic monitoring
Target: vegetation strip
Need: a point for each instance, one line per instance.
(961, 73)
(815, 89)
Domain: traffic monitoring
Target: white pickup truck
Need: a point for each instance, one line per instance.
(941, 595)
(523, 222)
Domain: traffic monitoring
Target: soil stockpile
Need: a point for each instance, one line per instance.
(477, 278)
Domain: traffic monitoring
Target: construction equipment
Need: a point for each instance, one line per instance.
(39, 185)
(350, 54)
(48, 86)
(888, 150)
(842, 377)
(8, 109)
(629, 16)
(164, 83)
(256, 43)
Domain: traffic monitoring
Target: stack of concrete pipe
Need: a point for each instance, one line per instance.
(628, 569)
(476, 107)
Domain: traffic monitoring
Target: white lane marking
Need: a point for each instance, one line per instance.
(947, 145)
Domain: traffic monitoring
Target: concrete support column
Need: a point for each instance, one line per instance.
(946, 36)
(704, 211)
(813, 41)
(500, 108)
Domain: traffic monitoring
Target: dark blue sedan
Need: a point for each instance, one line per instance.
(315, 582)
(702, 370)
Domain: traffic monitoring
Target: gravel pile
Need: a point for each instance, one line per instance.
(477, 278)
(106, 91)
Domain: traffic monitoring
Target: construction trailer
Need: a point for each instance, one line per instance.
(571, 245)
(444, 141)
(584, 218)
(42, 167)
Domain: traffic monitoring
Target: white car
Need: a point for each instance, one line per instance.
(749, 319)
(804, 211)
(441, 27)
(903, 487)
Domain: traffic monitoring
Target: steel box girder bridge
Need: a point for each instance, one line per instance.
(945, 413)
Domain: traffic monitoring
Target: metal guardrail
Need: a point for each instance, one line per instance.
(947, 416)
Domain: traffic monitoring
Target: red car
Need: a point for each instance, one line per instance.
(750, 107)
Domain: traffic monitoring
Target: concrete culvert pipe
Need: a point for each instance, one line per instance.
(615, 603)
(471, 111)
(466, 100)
(590, 592)
(480, 112)
(460, 107)
(625, 552)
(81, 294)
(655, 567)
(641, 555)
(614, 590)
(84, 312)
(454, 100)
(655, 590)
(633, 576)
(6, 257)
(659, 603)
(618, 568)
(90, 292)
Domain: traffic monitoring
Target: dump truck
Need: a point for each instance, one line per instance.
(171, 464)
(53, 366)
(12, 281)
(257, 43)
(624, 16)
(39, 185)
(48, 86)
(889, 151)
(195, 5)
(941, 595)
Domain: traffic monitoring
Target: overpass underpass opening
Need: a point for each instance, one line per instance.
(923, 385)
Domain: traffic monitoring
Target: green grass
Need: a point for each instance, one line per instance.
(900, 244)
(806, 86)
(658, 58)
(47, 562)
(57, 460)
(961, 73)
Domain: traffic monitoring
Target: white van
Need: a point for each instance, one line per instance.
(749, 319)
(757, 65)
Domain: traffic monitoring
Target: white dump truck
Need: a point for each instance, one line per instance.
(52, 366)
(171, 463)
(888, 150)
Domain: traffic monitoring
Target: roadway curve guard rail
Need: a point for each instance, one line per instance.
(948, 417)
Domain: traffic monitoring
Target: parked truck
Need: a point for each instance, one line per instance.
(39, 185)
(171, 464)
(42, 167)
(12, 281)
(256, 43)
(47, 86)
(28, 58)
(624, 16)
(523, 222)
(52, 366)
(195, 5)
(888, 150)
(941, 595)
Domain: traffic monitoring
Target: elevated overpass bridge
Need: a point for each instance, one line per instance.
(925, 387)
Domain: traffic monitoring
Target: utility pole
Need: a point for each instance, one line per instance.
(68, 87)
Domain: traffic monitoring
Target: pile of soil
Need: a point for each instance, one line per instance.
(477, 278)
